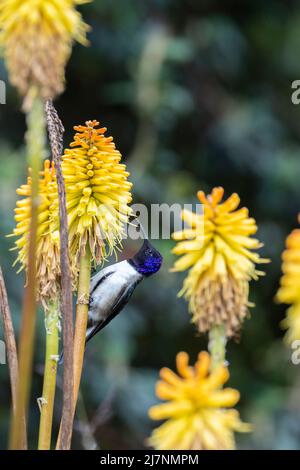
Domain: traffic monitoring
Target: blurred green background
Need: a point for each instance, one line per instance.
(196, 93)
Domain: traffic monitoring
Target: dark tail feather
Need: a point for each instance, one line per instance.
(90, 335)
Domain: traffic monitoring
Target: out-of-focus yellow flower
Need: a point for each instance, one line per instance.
(289, 291)
(47, 253)
(98, 192)
(196, 414)
(218, 251)
(37, 36)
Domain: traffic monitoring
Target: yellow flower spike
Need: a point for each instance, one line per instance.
(198, 412)
(48, 264)
(292, 324)
(36, 37)
(98, 193)
(289, 290)
(221, 260)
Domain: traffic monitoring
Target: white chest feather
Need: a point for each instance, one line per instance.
(108, 286)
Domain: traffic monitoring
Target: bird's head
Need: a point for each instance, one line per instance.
(148, 260)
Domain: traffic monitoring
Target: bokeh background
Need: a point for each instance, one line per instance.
(196, 94)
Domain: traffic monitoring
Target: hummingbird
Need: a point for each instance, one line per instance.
(112, 287)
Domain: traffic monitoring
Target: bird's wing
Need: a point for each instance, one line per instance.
(100, 277)
(123, 299)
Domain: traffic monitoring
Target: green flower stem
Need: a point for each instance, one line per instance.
(35, 139)
(46, 402)
(217, 346)
(82, 310)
